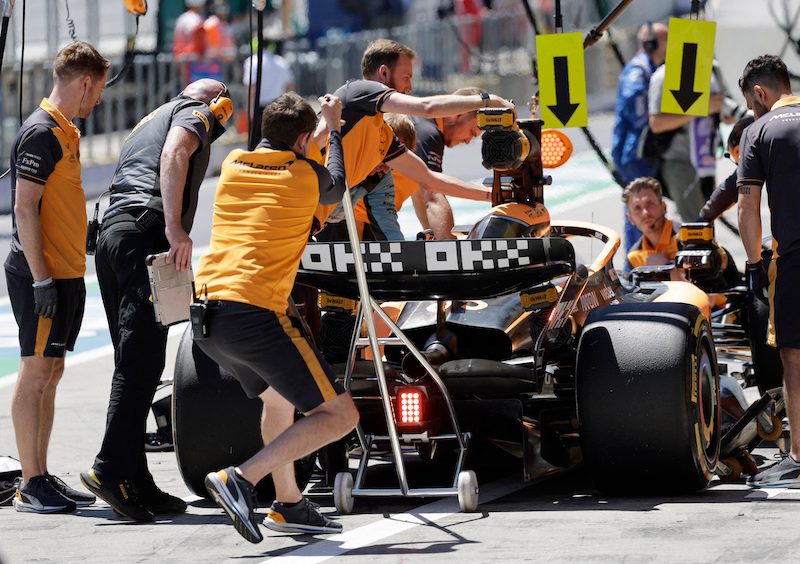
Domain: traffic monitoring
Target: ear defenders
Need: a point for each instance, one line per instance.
(650, 45)
(222, 106)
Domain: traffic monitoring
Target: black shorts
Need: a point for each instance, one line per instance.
(784, 305)
(47, 337)
(262, 348)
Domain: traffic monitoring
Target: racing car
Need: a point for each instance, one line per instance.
(535, 355)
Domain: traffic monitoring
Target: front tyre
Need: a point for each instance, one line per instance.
(648, 398)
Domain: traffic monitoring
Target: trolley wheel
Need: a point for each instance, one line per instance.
(777, 429)
(468, 491)
(343, 493)
(735, 470)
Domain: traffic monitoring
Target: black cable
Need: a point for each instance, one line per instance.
(3, 37)
(250, 112)
(254, 139)
(21, 65)
(128, 59)
(559, 19)
(70, 23)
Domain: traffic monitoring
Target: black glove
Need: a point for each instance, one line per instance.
(757, 281)
(45, 298)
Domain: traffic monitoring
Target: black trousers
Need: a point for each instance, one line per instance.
(139, 345)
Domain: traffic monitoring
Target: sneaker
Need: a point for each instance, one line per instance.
(39, 496)
(784, 474)
(302, 517)
(81, 499)
(122, 496)
(159, 502)
(237, 497)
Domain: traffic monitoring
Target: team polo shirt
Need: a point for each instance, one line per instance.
(667, 244)
(430, 148)
(367, 140)
(46, 151)
(263, 210)
(137, 180)
(769, 152)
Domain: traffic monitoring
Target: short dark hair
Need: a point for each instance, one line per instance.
(738, 128)
(78, 58)
(286, 118)
(639, 184)
(768, 70)
(383, 52)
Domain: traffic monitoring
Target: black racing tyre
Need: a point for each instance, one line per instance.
(214, 424)
(767, 365)
(648, 398)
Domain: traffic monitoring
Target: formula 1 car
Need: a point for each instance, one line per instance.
(508, 344)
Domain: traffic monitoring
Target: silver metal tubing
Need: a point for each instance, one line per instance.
(417, 492)
(381, 341)
(368, 303)
(424, 362)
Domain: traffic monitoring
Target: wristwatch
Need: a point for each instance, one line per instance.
(485, 98)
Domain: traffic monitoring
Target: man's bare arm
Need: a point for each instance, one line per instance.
(442, 105)
(438, 213)
(178, 149)
(750, 221)
(412, 166)
(29, 227)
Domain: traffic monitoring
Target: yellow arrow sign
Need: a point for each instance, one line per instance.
(690, 58)
(562, 80)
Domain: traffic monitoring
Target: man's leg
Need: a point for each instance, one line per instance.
(791, 395)
(277, 417)
(34, 377)
(327, 423)
(48, 410)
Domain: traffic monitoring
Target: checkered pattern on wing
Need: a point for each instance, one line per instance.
(491, 254)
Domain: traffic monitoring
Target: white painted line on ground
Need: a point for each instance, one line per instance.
(336, 545)
(73, 360)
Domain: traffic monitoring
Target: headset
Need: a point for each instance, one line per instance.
(650, 45)
(222, 106)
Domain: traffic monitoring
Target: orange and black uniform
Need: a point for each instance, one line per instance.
(46, 152)
(770, 153)
(430, 148)
(132, 229)
(367, 140)
(667, 244)
(263, 213)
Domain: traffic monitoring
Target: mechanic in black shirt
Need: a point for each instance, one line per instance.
(770, 154)
(153, 201)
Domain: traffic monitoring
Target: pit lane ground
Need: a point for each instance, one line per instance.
(558, 520)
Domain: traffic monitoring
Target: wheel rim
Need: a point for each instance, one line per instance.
(707, 404)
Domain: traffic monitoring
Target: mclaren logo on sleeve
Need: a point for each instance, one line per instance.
(202, 118)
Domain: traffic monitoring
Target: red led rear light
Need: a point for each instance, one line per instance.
(410, 406)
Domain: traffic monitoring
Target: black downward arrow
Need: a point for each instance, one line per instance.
(685, 95)
(563, 109)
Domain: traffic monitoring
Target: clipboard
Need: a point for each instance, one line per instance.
(172, 290)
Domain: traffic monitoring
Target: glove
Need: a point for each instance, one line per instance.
(45, 298)
(757, 281)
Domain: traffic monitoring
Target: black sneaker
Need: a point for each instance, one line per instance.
(81, 499)
(237, 497)
(302, 517)
(159, 502)
(122, 496)
(39, 496)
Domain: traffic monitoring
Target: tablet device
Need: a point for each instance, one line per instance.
(172, 290)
